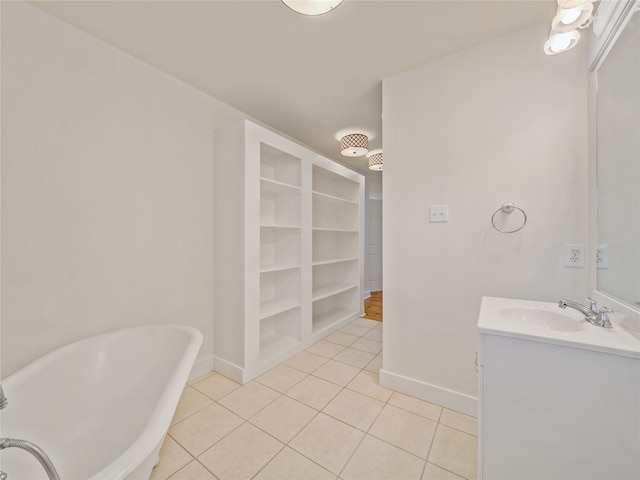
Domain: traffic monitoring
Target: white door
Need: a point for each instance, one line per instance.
(375, 244)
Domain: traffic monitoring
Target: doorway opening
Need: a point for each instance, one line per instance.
(373, 307)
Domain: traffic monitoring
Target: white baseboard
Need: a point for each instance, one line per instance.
(229, 370)
(201, 367)
(451, 399)
(367, 294)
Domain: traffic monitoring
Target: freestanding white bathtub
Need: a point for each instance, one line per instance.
(100, 408)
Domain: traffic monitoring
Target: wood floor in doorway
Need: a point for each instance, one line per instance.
(373, 307)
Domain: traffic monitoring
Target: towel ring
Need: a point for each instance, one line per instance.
(508, 207)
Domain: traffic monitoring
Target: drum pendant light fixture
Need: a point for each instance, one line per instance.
(375, 160)
(354, 145)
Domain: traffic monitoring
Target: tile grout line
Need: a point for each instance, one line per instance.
(367, 433)
(317, 411)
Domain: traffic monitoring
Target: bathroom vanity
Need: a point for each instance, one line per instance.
(559, 398)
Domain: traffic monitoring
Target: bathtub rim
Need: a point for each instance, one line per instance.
(155, 430)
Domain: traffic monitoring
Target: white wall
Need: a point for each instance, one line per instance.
(499, 122)
(107, 191)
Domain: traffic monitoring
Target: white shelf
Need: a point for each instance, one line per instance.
(337, 230)
(331, 317)
(269, 185)
(326, 291)
(333, 198)
(278, 268)
(275, 307)
(280, 227)
(329, 261)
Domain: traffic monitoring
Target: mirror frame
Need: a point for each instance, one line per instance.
(610, 20)
(608, 24)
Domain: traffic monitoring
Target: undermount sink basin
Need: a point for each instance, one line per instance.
(543, 319)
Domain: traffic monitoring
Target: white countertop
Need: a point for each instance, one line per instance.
(546, 322)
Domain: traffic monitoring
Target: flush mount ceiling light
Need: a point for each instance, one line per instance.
(312, 7)
(561, 42)
(568, 19)
(375, 160)
(354, 145)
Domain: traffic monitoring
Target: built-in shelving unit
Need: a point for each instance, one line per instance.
(336, 248)
(288, 247)
(280, 251)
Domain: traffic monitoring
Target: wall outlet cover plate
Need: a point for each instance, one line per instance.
(574, 255)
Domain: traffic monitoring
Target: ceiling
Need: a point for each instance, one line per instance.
(311, 78)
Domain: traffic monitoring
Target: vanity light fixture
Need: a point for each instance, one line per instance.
(561, 42)
(570, 16)
(354, 145)
(312, 7)
(375, 160)
(568, 19)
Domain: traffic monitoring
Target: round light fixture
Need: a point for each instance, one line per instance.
(354, 145)
(375, 160)
(312, 7)
(568, 19)
(561, 42)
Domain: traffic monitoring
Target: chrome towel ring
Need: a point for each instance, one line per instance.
(508, 208)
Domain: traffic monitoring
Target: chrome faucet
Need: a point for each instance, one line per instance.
(34, 450)
(591, 313)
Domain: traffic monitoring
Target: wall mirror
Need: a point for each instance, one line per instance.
(616, 63)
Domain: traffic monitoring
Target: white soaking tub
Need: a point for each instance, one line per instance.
(100, 408)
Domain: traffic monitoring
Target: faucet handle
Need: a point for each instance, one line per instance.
(603, 317)
(593, 305)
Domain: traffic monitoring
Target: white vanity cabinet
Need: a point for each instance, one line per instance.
(554, 408)
(287, 249)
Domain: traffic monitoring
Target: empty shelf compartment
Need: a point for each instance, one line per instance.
(279, 166)
(334, 309)
(279, 332)
(279, 247)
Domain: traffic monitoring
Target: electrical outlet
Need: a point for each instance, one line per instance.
(439, 213)
(602, 256)
(574, 255)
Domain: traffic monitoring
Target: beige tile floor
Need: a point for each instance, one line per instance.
(320, 415)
